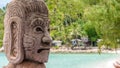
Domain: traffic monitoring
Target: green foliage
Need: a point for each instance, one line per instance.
(1, 26)
(56, 47)
(67, 18)
(92, 18)
(90, 30)
(105, 16)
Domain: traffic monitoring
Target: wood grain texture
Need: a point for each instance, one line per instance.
(26, 34)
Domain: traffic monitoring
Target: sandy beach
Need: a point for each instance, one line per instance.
(91, 50)
(69, 50)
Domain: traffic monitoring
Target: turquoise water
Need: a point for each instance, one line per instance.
(75, 60)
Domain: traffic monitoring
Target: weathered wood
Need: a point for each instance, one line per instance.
(26, 34)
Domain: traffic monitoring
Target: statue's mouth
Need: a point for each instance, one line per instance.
(43, 49)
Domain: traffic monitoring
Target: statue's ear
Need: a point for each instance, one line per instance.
(13, 40)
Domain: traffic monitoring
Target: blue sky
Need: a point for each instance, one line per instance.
(3, 3)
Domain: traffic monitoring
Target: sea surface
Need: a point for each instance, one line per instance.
(75, 60)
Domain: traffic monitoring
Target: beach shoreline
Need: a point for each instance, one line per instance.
(69, 50)
(83, 51)
(91, 50)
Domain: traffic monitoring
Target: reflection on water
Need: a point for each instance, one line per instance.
(106, 64)
(82, 60)
(75, 60)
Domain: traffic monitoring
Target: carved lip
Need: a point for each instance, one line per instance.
(42, 49)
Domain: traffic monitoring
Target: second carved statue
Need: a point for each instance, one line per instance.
(26, 34)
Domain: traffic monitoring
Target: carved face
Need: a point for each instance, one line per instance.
(26, 33)
(36, 38)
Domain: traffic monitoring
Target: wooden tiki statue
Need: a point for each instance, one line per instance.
(26, 34)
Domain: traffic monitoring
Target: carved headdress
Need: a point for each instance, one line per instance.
(26, 34)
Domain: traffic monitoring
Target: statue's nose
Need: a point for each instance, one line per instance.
(47, 40)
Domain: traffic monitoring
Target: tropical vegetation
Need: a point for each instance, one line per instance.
(70, 19)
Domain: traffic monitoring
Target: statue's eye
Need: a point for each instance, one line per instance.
(38, 29)
(49, 30)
